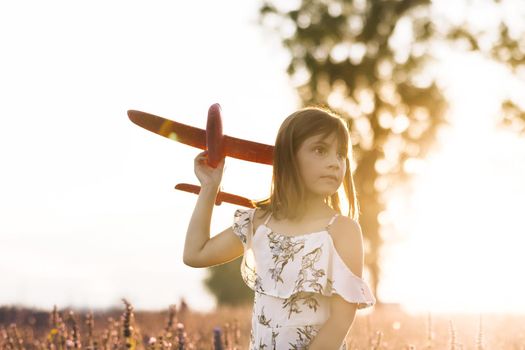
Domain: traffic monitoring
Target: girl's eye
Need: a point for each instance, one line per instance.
(319, 148)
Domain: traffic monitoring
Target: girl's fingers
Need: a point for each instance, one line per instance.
(202, 155)
(202, 158)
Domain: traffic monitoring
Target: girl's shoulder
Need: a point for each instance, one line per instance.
(256, 215)
(347, 239)
(345, 218)
(259, 215)
(342, 225)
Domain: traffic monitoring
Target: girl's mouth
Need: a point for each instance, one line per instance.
(330, 177)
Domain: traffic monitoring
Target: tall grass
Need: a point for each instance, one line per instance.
(228, 328)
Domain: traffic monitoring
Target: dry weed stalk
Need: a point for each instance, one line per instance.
(479, 338)
(75, 340)
(128, 331)
(181, 336)
(378, 339)
(90, 326)
(430, 335)
(454, 345)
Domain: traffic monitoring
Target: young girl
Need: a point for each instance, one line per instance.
(301, 256)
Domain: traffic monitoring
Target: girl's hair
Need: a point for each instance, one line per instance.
(287, 191)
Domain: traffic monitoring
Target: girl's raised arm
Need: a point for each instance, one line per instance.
(199, 249)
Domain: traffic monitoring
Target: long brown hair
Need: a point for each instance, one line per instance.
(287, 191)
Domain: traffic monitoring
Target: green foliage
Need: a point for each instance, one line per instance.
(226, 284)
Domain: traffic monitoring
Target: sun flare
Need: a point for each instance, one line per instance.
(460, 249)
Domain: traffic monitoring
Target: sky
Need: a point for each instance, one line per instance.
(88, 210)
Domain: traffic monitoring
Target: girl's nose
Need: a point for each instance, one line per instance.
(334, 160)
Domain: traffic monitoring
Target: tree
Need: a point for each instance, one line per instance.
(369, 61)
(225, 283)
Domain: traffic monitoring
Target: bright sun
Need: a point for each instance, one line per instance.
(462, 249)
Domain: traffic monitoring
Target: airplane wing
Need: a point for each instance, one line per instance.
(186, 134)
(248, 150)
(221, 196)
(192, 136)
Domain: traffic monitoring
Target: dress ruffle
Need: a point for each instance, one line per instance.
(242, 224)
(281, 266)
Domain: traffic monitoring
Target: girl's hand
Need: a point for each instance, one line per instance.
(208, 176)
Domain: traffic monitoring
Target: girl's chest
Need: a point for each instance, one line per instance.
(274, 251)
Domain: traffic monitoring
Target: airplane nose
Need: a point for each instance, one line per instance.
(214, 108)
(214, 137)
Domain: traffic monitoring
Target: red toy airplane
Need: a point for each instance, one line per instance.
(211, 139)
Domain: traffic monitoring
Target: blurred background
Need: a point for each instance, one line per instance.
(432, 91)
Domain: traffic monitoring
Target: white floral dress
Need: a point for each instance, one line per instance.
(293, 278)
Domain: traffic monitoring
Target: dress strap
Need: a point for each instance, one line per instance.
(332, 220)
(267, 219)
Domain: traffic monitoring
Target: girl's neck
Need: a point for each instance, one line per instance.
(315, 209)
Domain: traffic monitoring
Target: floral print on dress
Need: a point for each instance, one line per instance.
(262, 346)
(251, 278)
(241, 224)
(293, 278)
(283, 249)
(292, 303)
(305, 335)
(274, 340)
(262, 319)
(308, 268)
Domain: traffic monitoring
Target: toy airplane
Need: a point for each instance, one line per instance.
(211, 139)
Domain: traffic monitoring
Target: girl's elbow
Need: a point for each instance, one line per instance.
(187, 262)
(190, 262)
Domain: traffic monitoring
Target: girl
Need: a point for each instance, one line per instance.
(301, 256)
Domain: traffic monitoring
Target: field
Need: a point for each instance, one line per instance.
(178, 327)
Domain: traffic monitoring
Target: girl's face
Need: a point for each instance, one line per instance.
(319, 159)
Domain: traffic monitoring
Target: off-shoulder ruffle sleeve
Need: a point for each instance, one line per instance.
(349, 286)
(281, 266)
(242, 225)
